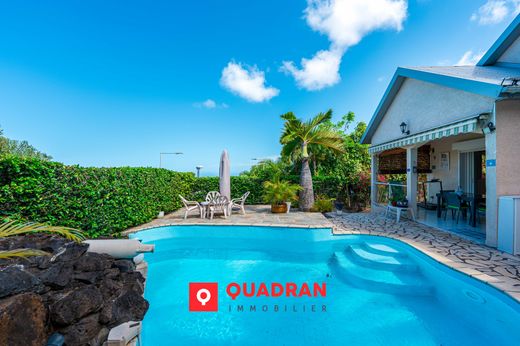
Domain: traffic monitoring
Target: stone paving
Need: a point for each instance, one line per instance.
(256, 215)
(492, 266)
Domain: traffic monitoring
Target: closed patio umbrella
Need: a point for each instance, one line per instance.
(224, 178)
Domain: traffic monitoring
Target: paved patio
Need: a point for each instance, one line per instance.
(256, 215)
(494, 267)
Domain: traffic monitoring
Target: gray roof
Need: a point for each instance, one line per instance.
(482, 74)
(484, 79)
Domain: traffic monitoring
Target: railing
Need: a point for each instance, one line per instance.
(386, 190)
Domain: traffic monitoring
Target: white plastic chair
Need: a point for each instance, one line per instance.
(190, 206)
(212, 196)
(221, 204)
(238, 203)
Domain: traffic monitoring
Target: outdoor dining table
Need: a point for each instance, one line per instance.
(205, 207)
(469, 198)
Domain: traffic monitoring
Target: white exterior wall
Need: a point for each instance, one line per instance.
(449, 177)
(491, 188)
(424, 106)
(512, 54)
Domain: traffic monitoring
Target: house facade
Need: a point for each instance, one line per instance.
(452, 128)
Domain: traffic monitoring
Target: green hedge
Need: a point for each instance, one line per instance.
(326, 186)
(106, 201)
(99, 201)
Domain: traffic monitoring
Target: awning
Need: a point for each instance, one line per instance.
(453, 129)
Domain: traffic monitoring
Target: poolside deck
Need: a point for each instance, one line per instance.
(256, 215)
(489, 265)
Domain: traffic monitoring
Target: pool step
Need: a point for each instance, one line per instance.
(391, 282)
(382, 249)
(376, 260)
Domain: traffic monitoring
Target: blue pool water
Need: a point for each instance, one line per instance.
(379, 291)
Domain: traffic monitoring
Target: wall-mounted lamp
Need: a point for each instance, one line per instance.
(404, 128)
(489, 128)
(510, 87)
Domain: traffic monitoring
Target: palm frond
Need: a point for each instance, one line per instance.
(291, 149)
(319, 119)
(22, 253)
(288, 116)
(328, 138)
(13, 228)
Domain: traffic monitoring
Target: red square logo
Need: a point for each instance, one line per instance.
(203, 296)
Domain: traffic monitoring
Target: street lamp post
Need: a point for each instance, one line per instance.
(198, 170)
(161, 155)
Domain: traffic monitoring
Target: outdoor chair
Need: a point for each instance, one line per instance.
(221, 204)
(212, 196)
(238, 203)
(190, 206)
(454, 203)
(481, 211)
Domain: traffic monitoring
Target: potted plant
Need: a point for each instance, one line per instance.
(339, 204)
(278, 192)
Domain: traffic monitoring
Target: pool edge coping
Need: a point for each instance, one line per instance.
(243, 224)
(460, 267)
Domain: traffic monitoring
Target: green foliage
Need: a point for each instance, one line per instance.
(13, 228)
(99, 201)
(354, 159)
(298, 135)
(279, 192)
(346, 174)
(323, 204)
(267, 170)
(19, 148)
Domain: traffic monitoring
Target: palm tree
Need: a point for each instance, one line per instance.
(297, 136)
(12, 228)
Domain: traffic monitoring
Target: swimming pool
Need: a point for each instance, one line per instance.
(379, 291)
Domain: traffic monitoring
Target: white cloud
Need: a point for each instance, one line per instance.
(247, 82)
(495, 11)
(321, 71)
(469, 58)
(345, 23)
(209, 104)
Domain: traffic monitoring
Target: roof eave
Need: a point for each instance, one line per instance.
(501, 44)
(473, 86)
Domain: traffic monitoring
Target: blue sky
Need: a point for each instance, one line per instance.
(114, 83)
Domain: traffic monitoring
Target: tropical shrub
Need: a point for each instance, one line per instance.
(322, 204)
(98, 201)
(278, 192)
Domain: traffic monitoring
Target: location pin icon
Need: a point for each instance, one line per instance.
(202, 291)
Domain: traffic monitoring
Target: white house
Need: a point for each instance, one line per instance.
(459, 125)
